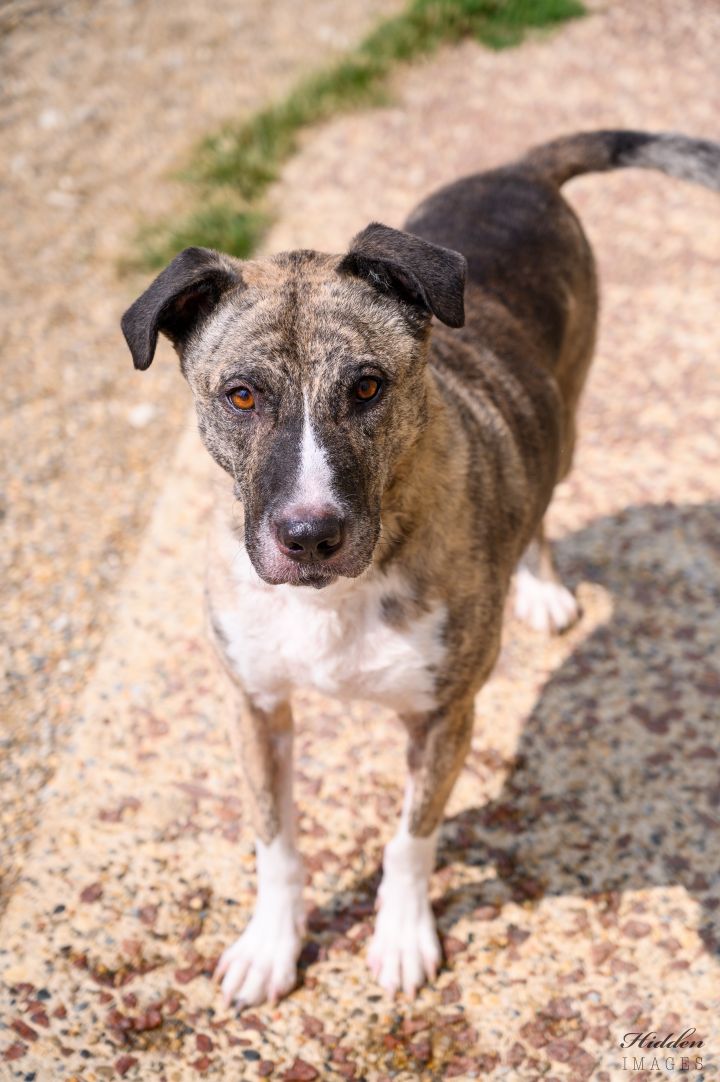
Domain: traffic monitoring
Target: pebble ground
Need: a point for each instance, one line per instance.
(577, 894)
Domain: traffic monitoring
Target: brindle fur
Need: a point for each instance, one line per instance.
(449, 476)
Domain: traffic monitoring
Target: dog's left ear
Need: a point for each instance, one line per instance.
(425, 276)
(177, 302)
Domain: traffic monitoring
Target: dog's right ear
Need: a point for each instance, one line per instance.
(177, 302)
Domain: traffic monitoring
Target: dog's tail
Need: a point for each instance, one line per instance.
(696, 160)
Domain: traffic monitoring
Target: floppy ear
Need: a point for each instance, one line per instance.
(179, 299)
(425, 276)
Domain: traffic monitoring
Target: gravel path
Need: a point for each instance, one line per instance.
(99, 103)
(578, 894)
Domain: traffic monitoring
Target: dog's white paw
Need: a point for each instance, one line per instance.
(261, 965)
(404, 950)
(543, 605)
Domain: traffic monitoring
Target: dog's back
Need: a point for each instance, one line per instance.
(523, 243)
(524, 248)
(531, 284)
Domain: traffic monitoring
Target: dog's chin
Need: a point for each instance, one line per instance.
(317, 582)
(283, 572)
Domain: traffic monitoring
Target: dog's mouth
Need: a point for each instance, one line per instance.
(318, 579)
(317, 576)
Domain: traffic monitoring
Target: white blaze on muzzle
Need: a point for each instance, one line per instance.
(314, 488)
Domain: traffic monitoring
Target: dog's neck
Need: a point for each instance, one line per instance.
(419, 492)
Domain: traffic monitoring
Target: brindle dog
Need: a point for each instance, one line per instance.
(389, 475)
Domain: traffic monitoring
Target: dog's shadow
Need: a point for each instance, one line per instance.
(615, 785)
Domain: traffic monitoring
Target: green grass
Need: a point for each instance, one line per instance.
(233, 168)
(221, 222)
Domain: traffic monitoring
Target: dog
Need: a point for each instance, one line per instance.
(385, 474)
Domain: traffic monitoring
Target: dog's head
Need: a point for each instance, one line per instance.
(310, 383)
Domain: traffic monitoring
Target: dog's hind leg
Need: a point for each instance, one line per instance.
(541, 600)
(261, 964)
(404, 950)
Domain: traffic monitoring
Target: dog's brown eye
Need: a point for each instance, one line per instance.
(242, 398)
(367, 388)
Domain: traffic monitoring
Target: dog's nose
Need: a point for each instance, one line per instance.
(308, 538)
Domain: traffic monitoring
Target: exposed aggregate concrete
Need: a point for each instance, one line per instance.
(578, 893)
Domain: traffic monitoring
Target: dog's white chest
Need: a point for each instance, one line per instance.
(336, 641)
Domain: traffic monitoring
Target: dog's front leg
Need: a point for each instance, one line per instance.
(261, 964)
(404, 950)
